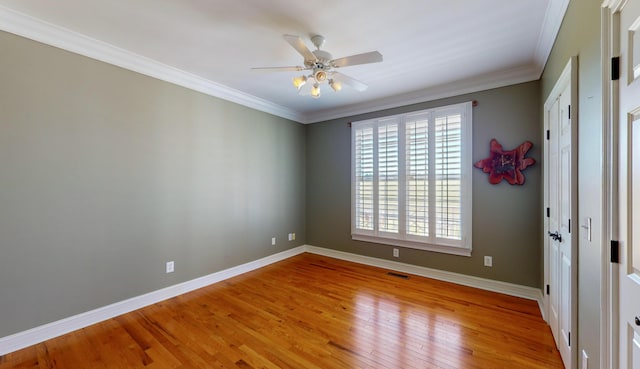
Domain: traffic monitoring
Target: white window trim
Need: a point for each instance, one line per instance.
(409, 241)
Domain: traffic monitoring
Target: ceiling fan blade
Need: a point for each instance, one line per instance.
(366, 58)
(279, 69)
(300, 47)
(351, 82)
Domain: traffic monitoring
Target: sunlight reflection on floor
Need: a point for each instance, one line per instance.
(382, 323)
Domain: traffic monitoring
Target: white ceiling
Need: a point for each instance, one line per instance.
(431, 49)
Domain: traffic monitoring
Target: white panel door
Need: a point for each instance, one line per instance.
(629, 185)
(559, 229)
(564, 222)
(554, 245)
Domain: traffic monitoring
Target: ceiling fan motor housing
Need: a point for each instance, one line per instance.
(322, 62)
(321, 65)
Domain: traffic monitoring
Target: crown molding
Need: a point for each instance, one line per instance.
(480, 83)
(38, 30)
(613, 4)
(553, 17)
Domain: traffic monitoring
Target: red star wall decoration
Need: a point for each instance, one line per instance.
(507, 165)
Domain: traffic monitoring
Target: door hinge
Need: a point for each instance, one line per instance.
(547, 289)
(615, 68)
(615, 251)
(569, 339)
(569, 111)
(569, 225)
(548, 213)
(548, 134)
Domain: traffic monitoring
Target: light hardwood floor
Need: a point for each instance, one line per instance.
(311, 311)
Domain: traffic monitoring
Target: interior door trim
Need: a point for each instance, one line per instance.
(569, 75)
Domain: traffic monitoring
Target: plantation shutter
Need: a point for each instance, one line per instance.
(448, 173)
(417, 176)
(364, 178)
(411, 180)
(388, 176)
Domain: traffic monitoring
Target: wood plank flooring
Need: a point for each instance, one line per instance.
(311, 311)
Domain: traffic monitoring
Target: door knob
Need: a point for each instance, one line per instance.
(638, 320)
(556, 236)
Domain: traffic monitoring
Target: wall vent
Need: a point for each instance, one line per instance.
(322, 266)
(403, 276)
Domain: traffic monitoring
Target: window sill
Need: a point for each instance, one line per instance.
(453, 250)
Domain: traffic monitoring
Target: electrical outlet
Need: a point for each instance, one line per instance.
(585, 359)
(273, 241)
(293, 236)
(290, 236)
(488, 261)
(396, 253)
(170, 267)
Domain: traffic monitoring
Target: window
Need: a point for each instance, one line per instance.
(411, 180)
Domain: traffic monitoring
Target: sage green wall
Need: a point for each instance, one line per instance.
(506, 219)
(106, 174)
(580, 35)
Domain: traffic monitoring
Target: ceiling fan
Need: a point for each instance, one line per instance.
(322, 67)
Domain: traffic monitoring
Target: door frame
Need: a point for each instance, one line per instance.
(610, 46)
(568, 76)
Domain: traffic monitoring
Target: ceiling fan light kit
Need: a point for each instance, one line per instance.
(299, 81)
(335, 85)
(321, 65)
(315, 91)
(320, 76)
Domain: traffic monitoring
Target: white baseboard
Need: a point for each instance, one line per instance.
(511, 289)
(48, 331)
(51, 330)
